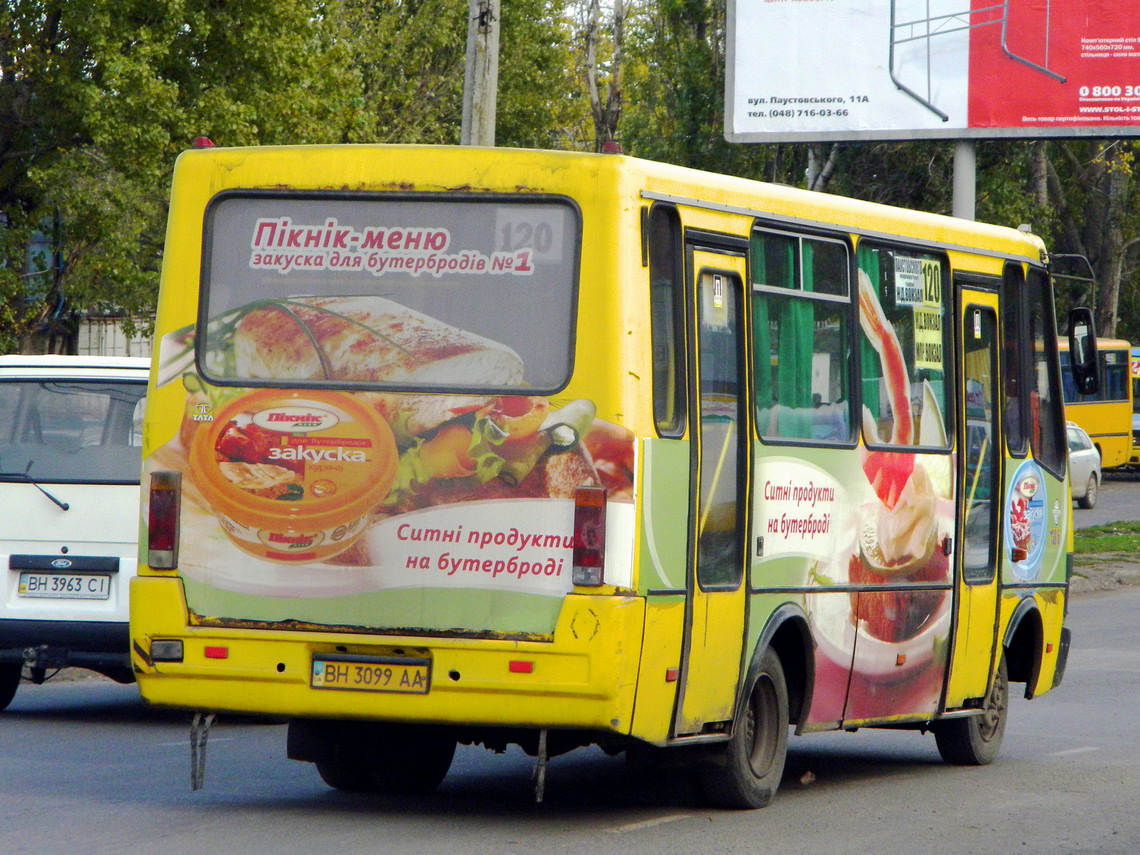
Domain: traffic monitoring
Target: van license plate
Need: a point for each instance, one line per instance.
(379, 674)
(65, 586)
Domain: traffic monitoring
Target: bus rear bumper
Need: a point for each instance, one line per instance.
(580, 679)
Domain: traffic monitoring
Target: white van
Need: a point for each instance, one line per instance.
(70, 441)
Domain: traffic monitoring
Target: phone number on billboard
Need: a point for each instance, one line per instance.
(796, 114)
(1109, 91)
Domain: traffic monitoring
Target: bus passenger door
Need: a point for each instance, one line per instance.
(718, 509)
(979, 513)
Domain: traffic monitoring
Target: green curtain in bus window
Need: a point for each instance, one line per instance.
(797, 337)
(800, 351)
(773, 265)
(783, 339)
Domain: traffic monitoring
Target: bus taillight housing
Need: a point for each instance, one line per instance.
(162, 520)
(589, 536)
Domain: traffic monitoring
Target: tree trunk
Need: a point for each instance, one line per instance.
(606, 111)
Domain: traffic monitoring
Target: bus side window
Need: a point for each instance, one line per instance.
(904, 295)
(1046, 408)
(1013, 343)
(801, 311)
(667, 316)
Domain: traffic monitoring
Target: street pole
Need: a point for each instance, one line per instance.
(481, 78)
(965, 180)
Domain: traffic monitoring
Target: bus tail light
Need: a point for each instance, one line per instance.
(162, 534)
(589, 536)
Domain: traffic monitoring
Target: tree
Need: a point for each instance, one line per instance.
(1093, 186)
(605, 74)
(96, 100)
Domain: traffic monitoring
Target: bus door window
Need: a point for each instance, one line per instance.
(667, 318)
(719, 560)
(1013, 343)
(1046, 410)
(979, 533)
(802, 347)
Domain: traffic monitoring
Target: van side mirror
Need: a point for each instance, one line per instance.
(1082, 350)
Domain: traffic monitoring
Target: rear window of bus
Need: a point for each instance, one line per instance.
(397, 291)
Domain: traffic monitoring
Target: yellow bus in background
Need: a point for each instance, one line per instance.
(486, 446)
(1134, 373)
(1105, 415)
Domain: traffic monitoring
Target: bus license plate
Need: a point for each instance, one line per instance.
(65, 586)
(372, 675)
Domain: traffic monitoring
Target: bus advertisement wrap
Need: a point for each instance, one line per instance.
(494, 447)
(937, 68)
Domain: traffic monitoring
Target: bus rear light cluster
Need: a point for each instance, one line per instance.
(589, 536)
(162, 522)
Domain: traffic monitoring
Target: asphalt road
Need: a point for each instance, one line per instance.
(1119, 499)
(86, 768)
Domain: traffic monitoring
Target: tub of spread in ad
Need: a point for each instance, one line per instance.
(292, 476)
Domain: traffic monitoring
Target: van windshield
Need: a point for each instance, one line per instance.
(398, 291)
(70, 431)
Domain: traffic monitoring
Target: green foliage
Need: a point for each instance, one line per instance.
(675, 90)
(538, 102)
(1114, 538)
(97, 99)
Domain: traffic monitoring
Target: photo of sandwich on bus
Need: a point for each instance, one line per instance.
(301, 477)
(488, 447)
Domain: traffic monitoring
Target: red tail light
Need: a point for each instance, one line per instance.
(165, 501)
(589, 535)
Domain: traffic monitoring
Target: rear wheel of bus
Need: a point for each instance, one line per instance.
(396, 759)
(975, 741)
(9, 681)
(748, 772)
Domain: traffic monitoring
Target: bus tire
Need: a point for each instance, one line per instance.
(393, 759)
(747, 774)
(1088, 500)
(975, 741)
(346, 770)
(10, 673)
(412, 759)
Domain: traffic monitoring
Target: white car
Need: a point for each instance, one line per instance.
(70, 456)
(1084, 466)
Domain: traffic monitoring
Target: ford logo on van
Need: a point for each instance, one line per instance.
(61, 563)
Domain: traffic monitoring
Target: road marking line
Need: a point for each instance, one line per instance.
(647, 823)
(1083, 750)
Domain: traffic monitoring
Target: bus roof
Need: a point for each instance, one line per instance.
(419, 167)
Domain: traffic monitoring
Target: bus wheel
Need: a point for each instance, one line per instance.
(412, 760)
(1088, 500)
(748, 772)
(396, 759)
(975, 741)
(346, 769)
(9, 681)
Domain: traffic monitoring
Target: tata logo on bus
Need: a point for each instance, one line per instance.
(296, 419)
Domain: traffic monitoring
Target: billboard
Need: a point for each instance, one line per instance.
(804, 70)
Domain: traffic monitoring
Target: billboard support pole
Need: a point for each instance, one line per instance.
(965, 179)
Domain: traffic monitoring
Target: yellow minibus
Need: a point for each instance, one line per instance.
(455, 445)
